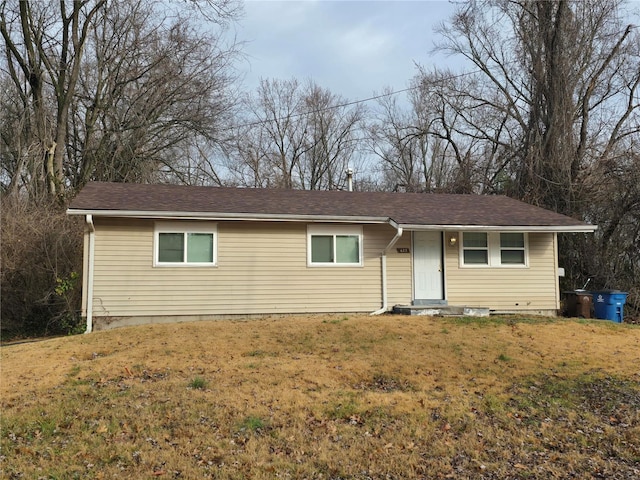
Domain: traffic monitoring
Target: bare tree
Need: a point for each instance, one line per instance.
(45, 50)
(429, 144)
(281, 129)
(297, 137)
(109, 93)
(143, 109)
(557, 82)
(392, 138)
(475, 138)
(333, 134)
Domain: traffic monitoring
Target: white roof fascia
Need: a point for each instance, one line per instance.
(327, 218)
(227, 216)
(504, 228)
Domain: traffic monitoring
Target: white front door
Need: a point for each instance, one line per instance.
(427, 266)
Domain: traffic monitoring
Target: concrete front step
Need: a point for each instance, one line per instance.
(441, 310)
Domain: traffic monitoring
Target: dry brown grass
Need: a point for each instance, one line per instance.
(330, 397)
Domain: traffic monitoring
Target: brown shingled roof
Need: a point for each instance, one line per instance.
(416, 209)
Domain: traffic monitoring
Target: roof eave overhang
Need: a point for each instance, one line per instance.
(216, 216)
(504, 228)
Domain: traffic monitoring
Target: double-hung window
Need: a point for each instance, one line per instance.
(494, 249)
(334, 245)
(185, 244)
(475, 249)
(512, 249)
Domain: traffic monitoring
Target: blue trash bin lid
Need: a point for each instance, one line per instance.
(610, 297)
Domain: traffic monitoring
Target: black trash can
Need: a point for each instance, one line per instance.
(578, 303)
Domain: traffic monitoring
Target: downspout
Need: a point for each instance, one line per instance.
(555, 266)
(90, 260)
(383, 264)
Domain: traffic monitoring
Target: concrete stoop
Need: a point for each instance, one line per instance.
(441, 310)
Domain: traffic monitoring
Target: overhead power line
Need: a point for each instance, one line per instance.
(320, 110)
(341, 105)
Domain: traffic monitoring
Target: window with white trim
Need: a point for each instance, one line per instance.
(338, 245)
(494, 249)
(185, 244)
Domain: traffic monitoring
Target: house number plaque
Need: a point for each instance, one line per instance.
(402, 250)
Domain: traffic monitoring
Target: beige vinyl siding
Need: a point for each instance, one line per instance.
(507, 288)
(261, 268)
(399, 271)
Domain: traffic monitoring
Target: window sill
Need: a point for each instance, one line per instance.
(501, 267)
(185, 265)
(335, 265)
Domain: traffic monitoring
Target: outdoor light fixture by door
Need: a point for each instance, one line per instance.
(453, 240)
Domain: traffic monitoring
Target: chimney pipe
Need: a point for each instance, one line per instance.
(349, 173)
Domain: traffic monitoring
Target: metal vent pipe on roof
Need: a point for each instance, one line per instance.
(349, 172)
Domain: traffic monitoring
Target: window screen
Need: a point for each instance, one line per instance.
(199, 247)
(512, 248)
(347, 249)
(475, 248)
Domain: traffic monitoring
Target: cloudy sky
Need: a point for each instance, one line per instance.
(353, 48)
